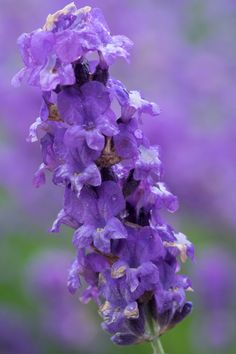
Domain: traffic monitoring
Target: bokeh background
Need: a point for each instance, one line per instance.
(184, 58)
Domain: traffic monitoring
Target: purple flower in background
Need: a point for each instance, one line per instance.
(198, 120)
(15, 334)
(128, 258)
(216, 291)
(59, 313)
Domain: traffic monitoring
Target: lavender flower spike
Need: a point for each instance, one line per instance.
(113, 179)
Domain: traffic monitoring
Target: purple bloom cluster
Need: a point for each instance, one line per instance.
(69, 34)
(112, 177)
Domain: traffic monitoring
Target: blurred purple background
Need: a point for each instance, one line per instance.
(184, 59)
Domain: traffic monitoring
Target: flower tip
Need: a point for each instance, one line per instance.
(124, 339)
(15, 81)
(158, 110)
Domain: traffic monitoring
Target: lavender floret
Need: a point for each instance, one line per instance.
(113, 179)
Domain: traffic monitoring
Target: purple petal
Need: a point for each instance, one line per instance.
(73, 282)
(83, 236)
(115, 229)
(90, 176)
(95, 140)
(67, 46)
(111, 201)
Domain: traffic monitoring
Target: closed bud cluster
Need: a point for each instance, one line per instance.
(127, 256)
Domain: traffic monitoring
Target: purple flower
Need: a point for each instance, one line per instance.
(128, 258)
(49, 52)
(131, 102)
(139, 263)
(186, 129)
(148, 165)
(88, 109)
(100, 223)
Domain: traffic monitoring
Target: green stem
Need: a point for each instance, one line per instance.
(154, 331)
(157, 346)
